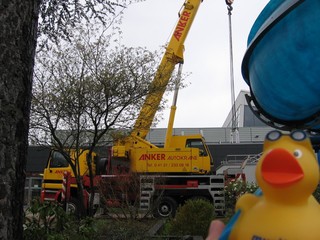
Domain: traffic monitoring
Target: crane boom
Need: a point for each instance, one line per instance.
(172, 56)
(180, 154)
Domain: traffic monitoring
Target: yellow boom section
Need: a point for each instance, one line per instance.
(172, 56)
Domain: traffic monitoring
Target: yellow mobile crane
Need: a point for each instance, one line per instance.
(180, 154)
(169, 175)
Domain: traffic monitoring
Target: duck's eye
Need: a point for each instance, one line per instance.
(297, 153)
(298, 135)
(273, 135)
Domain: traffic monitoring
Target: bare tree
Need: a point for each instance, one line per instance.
(120, 194)
(86, 90)
(19, 28)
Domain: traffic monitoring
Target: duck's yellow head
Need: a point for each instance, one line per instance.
(288, 168)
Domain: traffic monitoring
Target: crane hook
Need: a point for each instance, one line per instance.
(229, 7)
(229, 2)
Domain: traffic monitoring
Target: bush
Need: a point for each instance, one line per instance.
(193, 218)
(49, 221)
(234, 189)
(316, 193)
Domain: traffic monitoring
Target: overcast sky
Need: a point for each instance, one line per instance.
(206, 101)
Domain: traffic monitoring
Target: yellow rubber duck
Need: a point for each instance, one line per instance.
(288, 174)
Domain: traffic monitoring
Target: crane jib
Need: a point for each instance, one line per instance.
(185, 16)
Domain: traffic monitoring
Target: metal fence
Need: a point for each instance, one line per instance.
(32, 189)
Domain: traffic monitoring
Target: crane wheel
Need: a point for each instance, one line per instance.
(73, 207)
(165, 207)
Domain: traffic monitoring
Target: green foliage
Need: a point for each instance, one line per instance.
(192, 218)
(48, 221)
(124, 229)
(234, 189)
(58, 17)
(316, 193)
(42, 219)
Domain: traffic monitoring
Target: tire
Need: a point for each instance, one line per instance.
(166, 207)
(73, 207)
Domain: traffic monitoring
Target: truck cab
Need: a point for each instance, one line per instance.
(54, 171)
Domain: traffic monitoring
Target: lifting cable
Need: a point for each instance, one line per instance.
(234, 131)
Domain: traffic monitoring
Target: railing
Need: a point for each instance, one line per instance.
(241, 160)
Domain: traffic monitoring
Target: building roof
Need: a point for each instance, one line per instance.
(213, 135)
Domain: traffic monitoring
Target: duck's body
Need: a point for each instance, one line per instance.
(273, 221)
(287, 174)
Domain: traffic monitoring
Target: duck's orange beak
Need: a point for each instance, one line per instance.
(281, 168)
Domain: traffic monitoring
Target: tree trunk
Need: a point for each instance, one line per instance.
(92, 188)
(18, 21)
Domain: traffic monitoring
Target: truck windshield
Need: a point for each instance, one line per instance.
(58, 160)
(197, 143)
